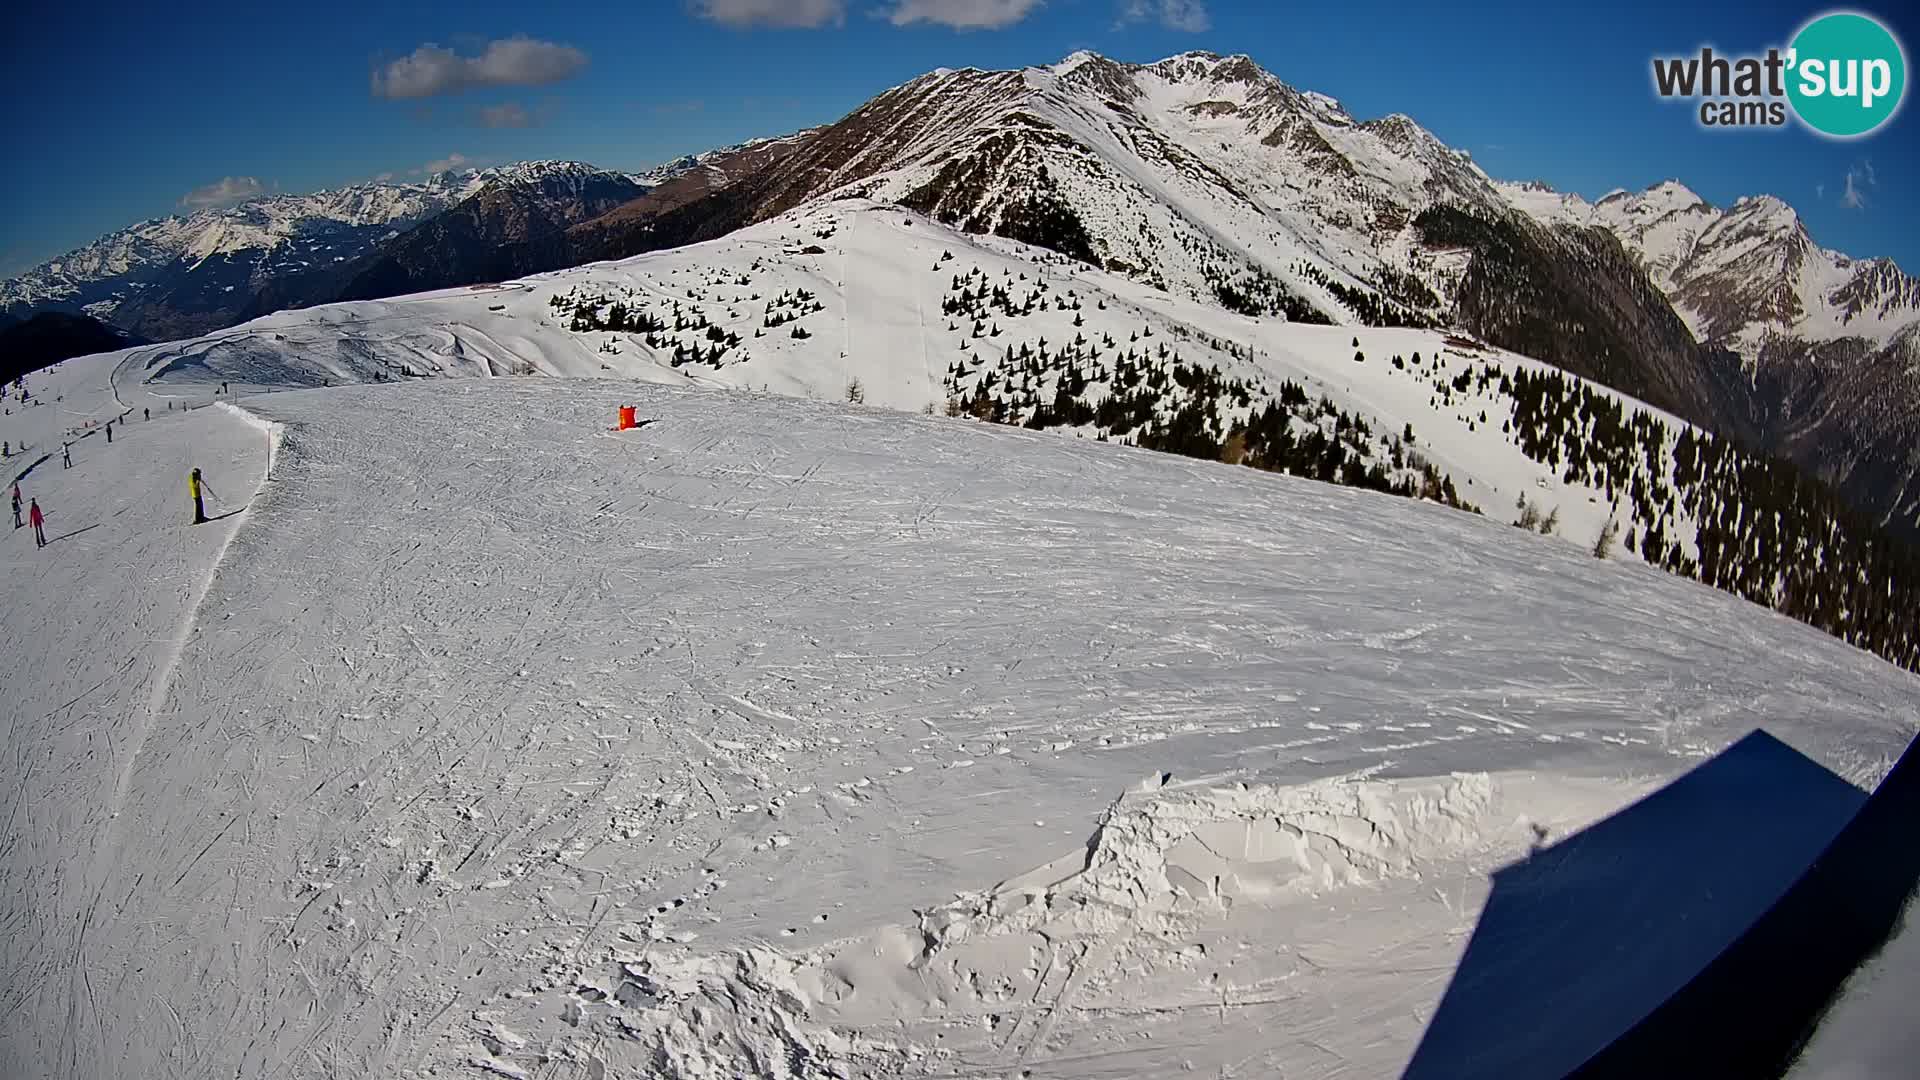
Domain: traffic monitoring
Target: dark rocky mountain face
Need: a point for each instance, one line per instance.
(178, 275)
(218, 290)
(1573, 297)
(1850, 414)
(693, 179)
(852, 149)
(503, 231)
(506, 229)
(27, 345)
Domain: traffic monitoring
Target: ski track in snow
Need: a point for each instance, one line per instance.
(95, 627)
(778, 735)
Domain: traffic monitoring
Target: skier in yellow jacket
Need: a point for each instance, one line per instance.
(198, 487)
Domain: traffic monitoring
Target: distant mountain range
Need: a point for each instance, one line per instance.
(1202, 175)
(178, 276)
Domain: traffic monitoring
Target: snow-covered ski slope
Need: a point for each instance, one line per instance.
(869, 285)
(786, 738)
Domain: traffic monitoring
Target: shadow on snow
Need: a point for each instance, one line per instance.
(1699, 931)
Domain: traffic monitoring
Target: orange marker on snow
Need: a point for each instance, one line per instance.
(626, 418)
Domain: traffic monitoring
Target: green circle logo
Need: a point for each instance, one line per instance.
(1847, 75)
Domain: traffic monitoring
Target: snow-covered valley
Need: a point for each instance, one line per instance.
(791, 738)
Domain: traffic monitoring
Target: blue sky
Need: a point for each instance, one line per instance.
(121, 111)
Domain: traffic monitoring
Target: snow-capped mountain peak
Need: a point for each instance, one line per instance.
(528, 172)
(1769, 208)
(1672, 193)
(1204, 173)
(1748, 276)
(1073, 61)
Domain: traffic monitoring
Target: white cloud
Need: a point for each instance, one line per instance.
(1855, 196)
(451, 161)
(517, 61)
(1188, 15)
(812, 14)
(508, 115)
(962, 14)
(781, 14)
(225, 191)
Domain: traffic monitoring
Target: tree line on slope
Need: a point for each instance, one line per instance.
(1766, 530)
(1762, 529)
(682, 332)
(1145, 392)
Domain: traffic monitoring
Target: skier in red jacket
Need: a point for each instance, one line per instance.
(39, 523)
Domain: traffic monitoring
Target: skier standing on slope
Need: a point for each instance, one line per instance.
(197, 487)
(146, 414)
(66, 455)
(16, 505)
(39, 524)
(109, 431)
